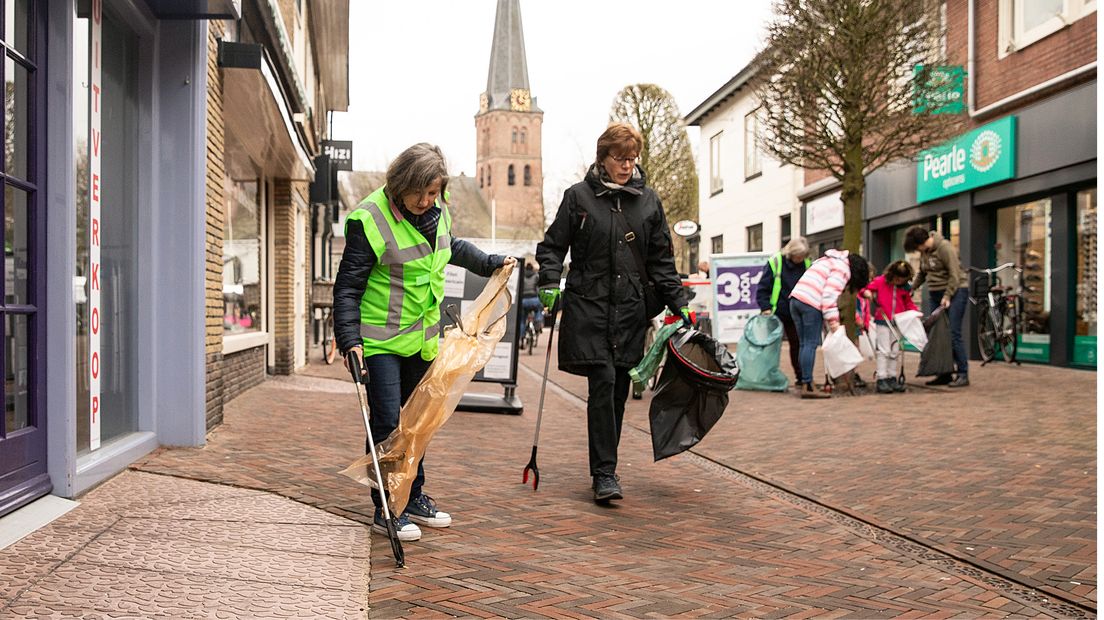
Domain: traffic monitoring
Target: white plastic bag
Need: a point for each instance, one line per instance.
(911, 324)
(840, 354)
(866, 346)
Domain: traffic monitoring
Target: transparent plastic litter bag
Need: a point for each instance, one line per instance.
(759, 353)
(464, 350)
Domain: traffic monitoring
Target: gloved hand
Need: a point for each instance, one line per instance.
(688, 316)
(549, 296)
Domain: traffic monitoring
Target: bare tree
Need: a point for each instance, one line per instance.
(840, 83)
(666, 158)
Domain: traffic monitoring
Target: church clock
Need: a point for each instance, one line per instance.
(484, 102)
(519, 99)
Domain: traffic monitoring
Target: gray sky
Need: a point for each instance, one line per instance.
(417, 67)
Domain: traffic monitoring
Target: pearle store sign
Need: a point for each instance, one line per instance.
(983, 156)
(94, 194)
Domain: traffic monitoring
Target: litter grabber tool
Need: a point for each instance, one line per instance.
(532, 466)
(392, 532)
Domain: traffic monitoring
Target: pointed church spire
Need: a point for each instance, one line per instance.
(508, 75)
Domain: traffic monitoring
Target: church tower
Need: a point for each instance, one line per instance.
(508, 134)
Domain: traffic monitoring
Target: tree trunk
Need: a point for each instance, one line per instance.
(851, 194)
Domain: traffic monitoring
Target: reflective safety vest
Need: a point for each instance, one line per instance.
(400, 312)
(775, 263)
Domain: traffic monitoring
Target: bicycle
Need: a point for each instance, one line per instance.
(322, 297)
(998, 312)
(532, 331)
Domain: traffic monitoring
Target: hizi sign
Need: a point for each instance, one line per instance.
(95, 151)
(983, 156)
(340, 152)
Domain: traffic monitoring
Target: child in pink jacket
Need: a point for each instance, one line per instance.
(892, 297)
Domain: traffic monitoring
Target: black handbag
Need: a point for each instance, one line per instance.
(653, 305)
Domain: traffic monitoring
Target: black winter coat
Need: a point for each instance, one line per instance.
(603, 302)
(791, 273)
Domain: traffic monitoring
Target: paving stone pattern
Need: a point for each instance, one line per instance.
(150, 546)
(853, 507)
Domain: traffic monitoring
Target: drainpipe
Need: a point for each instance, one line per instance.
(971, 65)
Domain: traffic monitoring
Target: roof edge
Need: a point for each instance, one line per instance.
(712, 102)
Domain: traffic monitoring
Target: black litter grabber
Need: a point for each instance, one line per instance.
(392, 532)
(532, 466)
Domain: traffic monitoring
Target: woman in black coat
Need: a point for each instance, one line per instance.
(602, 328)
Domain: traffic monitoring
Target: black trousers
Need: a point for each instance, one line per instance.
(608, 390)
(795, 343)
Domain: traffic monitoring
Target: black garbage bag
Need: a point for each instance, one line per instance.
(937, 357)
(692, 392)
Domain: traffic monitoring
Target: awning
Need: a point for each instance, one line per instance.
(330, 25)
(261, 138)
(195, 9)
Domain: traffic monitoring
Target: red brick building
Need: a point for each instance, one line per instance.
(1025, 191)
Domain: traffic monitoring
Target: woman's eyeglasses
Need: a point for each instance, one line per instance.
(621, 161)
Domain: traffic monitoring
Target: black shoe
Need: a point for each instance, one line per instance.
(940, 380)
(606, 488)
(961, 381)
(899, 384)
(885, 386)
(858, 381)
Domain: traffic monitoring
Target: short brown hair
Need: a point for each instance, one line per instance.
(619, 138)
(915, 237)
(415, 169)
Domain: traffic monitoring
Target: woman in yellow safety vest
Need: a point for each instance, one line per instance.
(387, 299)
(780, 274)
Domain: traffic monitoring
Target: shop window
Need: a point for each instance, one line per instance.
(1023, 237)
(528, 175)
(1084, 335)
(717, 244)
(106, 334)
(755, 238)
(716, 183)
(242, 258)
(510, 180)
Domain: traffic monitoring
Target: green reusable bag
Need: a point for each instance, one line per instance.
(758, 355)
(653, 357)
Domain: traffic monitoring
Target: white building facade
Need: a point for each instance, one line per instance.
(748, 201)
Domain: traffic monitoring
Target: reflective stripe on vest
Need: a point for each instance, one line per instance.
(775, 263)
(400, 309)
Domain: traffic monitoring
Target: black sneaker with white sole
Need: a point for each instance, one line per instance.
(423, 511)
(406, 530)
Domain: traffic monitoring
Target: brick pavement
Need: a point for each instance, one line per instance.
(702, 535)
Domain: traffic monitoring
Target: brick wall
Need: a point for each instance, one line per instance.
(283, 241)
(241, 371)
(215, 220)
(997, 78)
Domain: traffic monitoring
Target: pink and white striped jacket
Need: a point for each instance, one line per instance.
(822, 283)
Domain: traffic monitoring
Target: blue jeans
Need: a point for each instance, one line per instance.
(955, 313)
(808, 321)
(530, 304)
(391, 380)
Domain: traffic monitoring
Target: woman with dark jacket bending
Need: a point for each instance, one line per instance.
(604, 318)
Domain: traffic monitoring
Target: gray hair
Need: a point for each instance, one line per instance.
(415, 169)
(796, 246)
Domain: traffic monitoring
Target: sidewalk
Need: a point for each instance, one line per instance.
(973, 503)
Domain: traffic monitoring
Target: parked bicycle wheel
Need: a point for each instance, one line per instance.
(1009, 329)
(987, 333)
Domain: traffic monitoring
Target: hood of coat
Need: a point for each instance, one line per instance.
(602, 185)
(840, 254)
